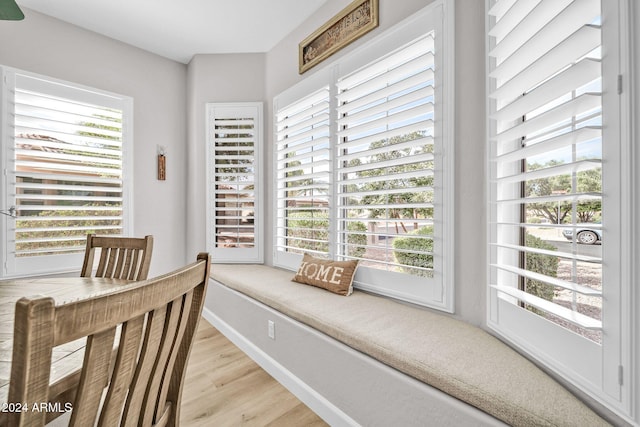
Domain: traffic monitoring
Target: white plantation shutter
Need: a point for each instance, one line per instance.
(303, 171)
(547, 126)
(65, 172)
(386, 161)
(548, 153)
(364, 162)
(234, 184)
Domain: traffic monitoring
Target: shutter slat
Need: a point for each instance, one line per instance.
(310, 122)
(565, 169)
(410, 98)
(419, 142)
(317, 154)
(385, 66)
(49, 143)
(501, 7)
(575, 76)
(415, 72)
(315, 133)
(74, 228)
(559, 28)
(509, 18)
(71, 198)
(416, 113)
(408, 190)
(418, 127)
(384, 178)
(306, 177)
(587, 133)
(584, 290)
(303, 105)
(322, 107)
(316, 142)
(579, 44)
(59, 187)
(38, 112)
(387, 91)
(531, 16)
(48, 157)
(401, 161)
(564, 313)
(64, 208)
(565, 255)
(570, 197)
(563, 112)
(235, 124)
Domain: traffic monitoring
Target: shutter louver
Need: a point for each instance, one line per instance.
(364, 162)
(234, 180)
(547, 152)
(235, 219)
(68, 170)
(386, 161)
(303, 175)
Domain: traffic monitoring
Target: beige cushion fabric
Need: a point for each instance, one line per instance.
(334, 276)
(459, 359)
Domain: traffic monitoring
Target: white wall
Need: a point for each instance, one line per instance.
(47, 46)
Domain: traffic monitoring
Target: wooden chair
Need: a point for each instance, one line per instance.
(120, 257)
(138, 381)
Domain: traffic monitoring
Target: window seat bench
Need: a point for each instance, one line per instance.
(369, 357)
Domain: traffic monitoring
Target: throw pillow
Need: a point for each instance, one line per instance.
(334, 276)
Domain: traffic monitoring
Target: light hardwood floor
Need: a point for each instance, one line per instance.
(224, 387)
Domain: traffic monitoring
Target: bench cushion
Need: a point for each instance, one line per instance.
(455, 357)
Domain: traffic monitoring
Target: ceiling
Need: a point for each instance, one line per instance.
(179, 29)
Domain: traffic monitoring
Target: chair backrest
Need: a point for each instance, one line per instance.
(137, 381)
(120, 257)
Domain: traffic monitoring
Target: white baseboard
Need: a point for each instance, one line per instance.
(318, 404)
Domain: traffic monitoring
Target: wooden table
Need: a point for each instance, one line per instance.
(66, 358)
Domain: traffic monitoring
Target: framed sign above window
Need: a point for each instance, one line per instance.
(354, 21)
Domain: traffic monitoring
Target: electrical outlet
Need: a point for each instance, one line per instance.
(271, 330)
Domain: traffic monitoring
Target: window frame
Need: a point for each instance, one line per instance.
(57, 264)
(605, 373)
(439, 292)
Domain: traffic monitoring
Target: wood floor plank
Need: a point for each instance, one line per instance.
(224, 387)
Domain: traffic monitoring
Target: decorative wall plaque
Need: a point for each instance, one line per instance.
(354, 21)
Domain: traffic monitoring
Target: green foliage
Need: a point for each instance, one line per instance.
(539, 263)
(67, 232)
(98, 126)
(405, 250)
(309, 231)
(387, 182)
(357, 239)
(588, 181)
